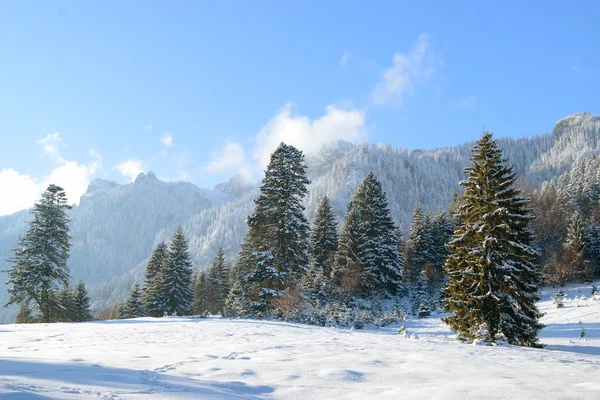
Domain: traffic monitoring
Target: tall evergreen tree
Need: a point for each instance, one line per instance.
(134, 306)
(440, 236)
(492, 279)
(323, 245)
(417, 246)
(65, 305)
(40, 261)
(176, 282)
(201, 298)
(274, 255)
(218, 274)
(154, 295)
(81, 301)
(324, 237)
(575, 250)
(368, 243)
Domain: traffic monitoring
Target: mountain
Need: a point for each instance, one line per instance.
(115, 227)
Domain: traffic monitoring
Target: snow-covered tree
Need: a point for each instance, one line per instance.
(274, 253)
(65, 305)
(418, 246)
(154, 293)
(134, 305)
(368, 256)
(492, 279)
(176, 281)
(40, 261)
(575, 250)
(323, 245)
(237, 304)
(82, 311)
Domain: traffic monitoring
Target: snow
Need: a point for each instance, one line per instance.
(185, 358)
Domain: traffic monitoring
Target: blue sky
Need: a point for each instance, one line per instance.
(200, 90)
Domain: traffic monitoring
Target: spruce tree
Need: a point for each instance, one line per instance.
(201, 298)
(368, 244)
(40, 261)
(82, 304)
(134, 306)
(324, 237)
(237, 303)
(65, 305)
(154, 295)
(441, 235)
(274, 254)
(323, 245)
(575, 250)
(176, 281)
(417, 250)
(491, 286)
(217, 283)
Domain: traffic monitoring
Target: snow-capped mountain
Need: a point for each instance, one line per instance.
(115, 226)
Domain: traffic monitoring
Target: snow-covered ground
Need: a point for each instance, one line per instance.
(179, 358)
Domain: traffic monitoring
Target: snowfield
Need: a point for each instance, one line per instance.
(182, 358)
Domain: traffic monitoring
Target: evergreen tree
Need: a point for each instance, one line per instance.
(274, 255)
(440, 236)
(154, 295)
(492, 279)
(217, 283)
(201, 299)
(324, 237)
(40, 261)
(25, 315)
(65, 305)
(367, 248)
(417, 246)
(237, 304)
(176, 282)
(323, 245)
(81, 301)
(134, 306)
(575, 250)
(421, 302)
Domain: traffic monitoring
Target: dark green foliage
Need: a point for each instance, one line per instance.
(176, 279)
(81, 302)
(65, 305)
(575, 250)
(154, 294)
(492, 279)
(418, 245)
(40, 261)
(134, 306)
(323, 245)
(274, 254)
(237, 304)
(25, 315)
(368, 262)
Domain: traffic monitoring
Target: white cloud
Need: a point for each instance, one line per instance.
(467, 102)
(345, 58)
(300, 131)
(20, 191)
(167, 139)
(408, 69)
(25, 189)
(50, 145)
(231, 158)
(130, 168)
(307, 135)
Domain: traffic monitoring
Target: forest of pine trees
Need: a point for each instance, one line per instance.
(481, 261)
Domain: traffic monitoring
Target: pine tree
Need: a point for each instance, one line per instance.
(40, 261)
(217, 283)
(82, 310)
(420, 298)
(575, 250)
(154, 295)
(274, 255)
(492, 279)
(440, 236)
(176, 282)
(134, 306)
(201, 299)
(237, 304)
(323, 245)
(65, 305)
(324, 237)
(416, 246)
(368, 244)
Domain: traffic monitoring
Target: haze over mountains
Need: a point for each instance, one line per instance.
(115, 227)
